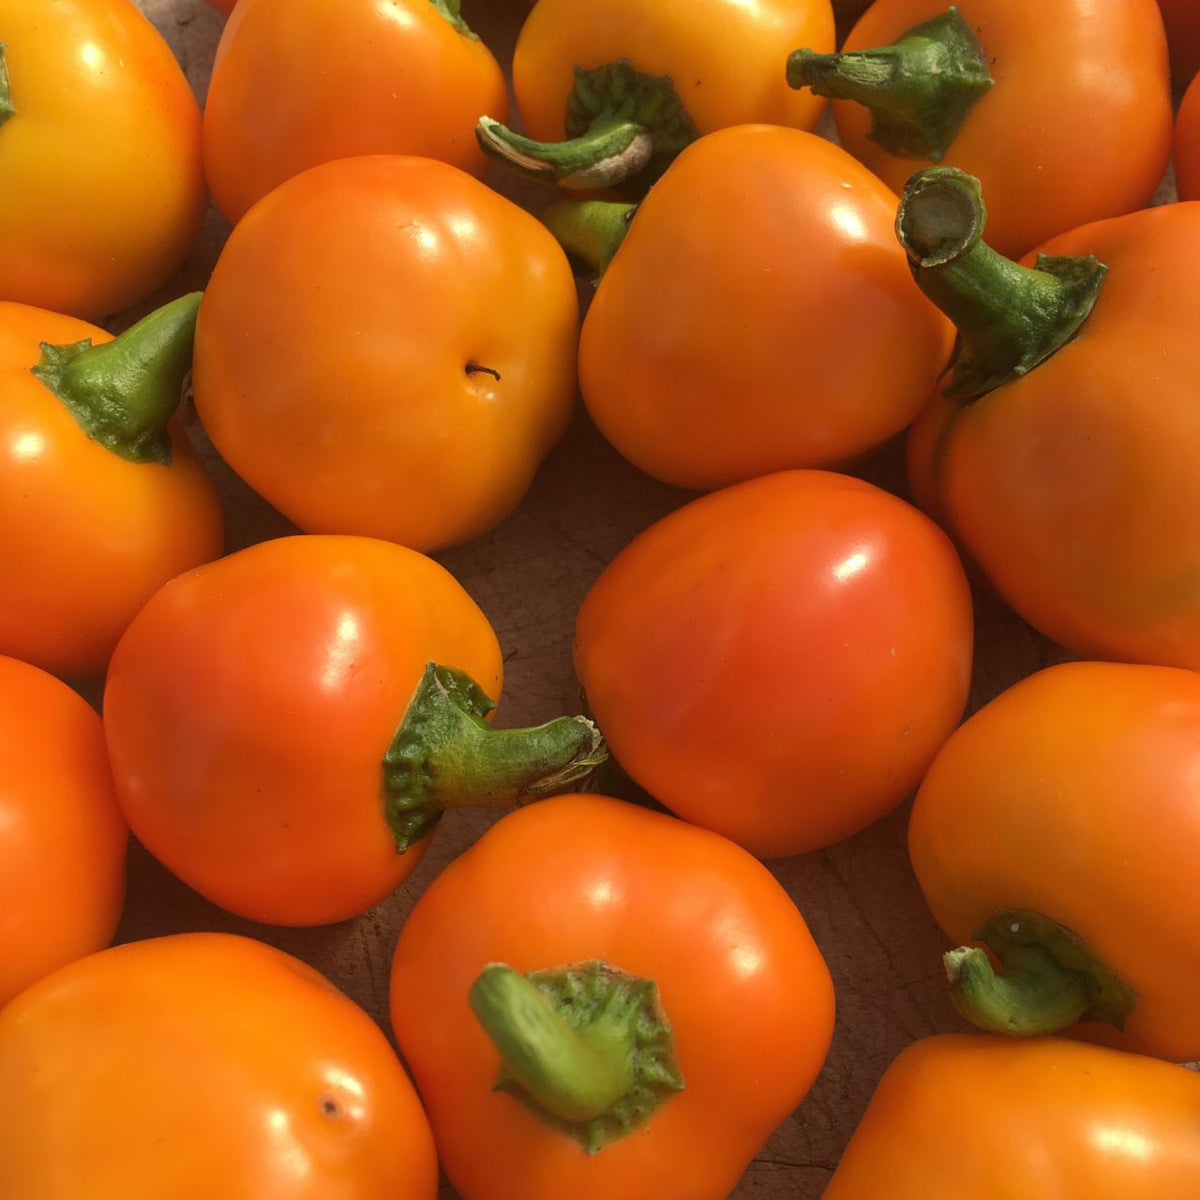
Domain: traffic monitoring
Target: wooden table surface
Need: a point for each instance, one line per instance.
(529, 576)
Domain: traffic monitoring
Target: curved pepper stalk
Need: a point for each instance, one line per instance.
(445, 755)
(1010, 318)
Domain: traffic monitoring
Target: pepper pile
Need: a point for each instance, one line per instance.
(804, 395)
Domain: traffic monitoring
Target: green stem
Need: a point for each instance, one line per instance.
(576, 1074)
(1010, 318)
(1049, 979)
(1033, 996)
(919, 90)
(6, 104)
(591, 230)
(610, 152)
(623, 129)
(452, 11)
(445, 755)
(585, 1047)
(124, 392)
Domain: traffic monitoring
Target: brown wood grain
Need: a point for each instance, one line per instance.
(529, 575)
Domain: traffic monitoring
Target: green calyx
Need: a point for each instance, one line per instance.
(1009, 318)
(6, 104)
(586, 1048)
(623, 130)
(919, 90)
(591, 230)
(445, 755)
(452, 11)
(1048, 979)
(123, 393)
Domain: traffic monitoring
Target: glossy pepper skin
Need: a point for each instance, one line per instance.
(1076, 127)
(387, 347)
(1073, 485)
(758, 315)
(88, 534)
(585, 877)
(200, 1065)
(253, 710)
(1072, 796)
(294, 85)
(780, 660)
(249, 705)
(1047, 1119)
(62, 835)
(104, 180)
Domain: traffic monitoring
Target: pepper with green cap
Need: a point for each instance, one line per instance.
(1055, 838)
(103, 498)
(1061, 451)
(1062, 110)
(600, 1000)
(288, 724)
(610, 91)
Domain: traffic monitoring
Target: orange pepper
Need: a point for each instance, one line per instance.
(387, 347)
(1058, 827)
(102, 497)
(203, 1065)
(631, 82)
(757, 314)
(282, 741)
(677, 1012)
(991, 1119)
(1075, 123)
(62, 835)
(294, 85)
(1062, 456)
(100, 155)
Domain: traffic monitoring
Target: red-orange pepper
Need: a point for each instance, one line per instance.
(281, 738)
(780, 660)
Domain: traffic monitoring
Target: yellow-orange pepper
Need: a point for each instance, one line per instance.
(991, 1119)
(100, 156)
